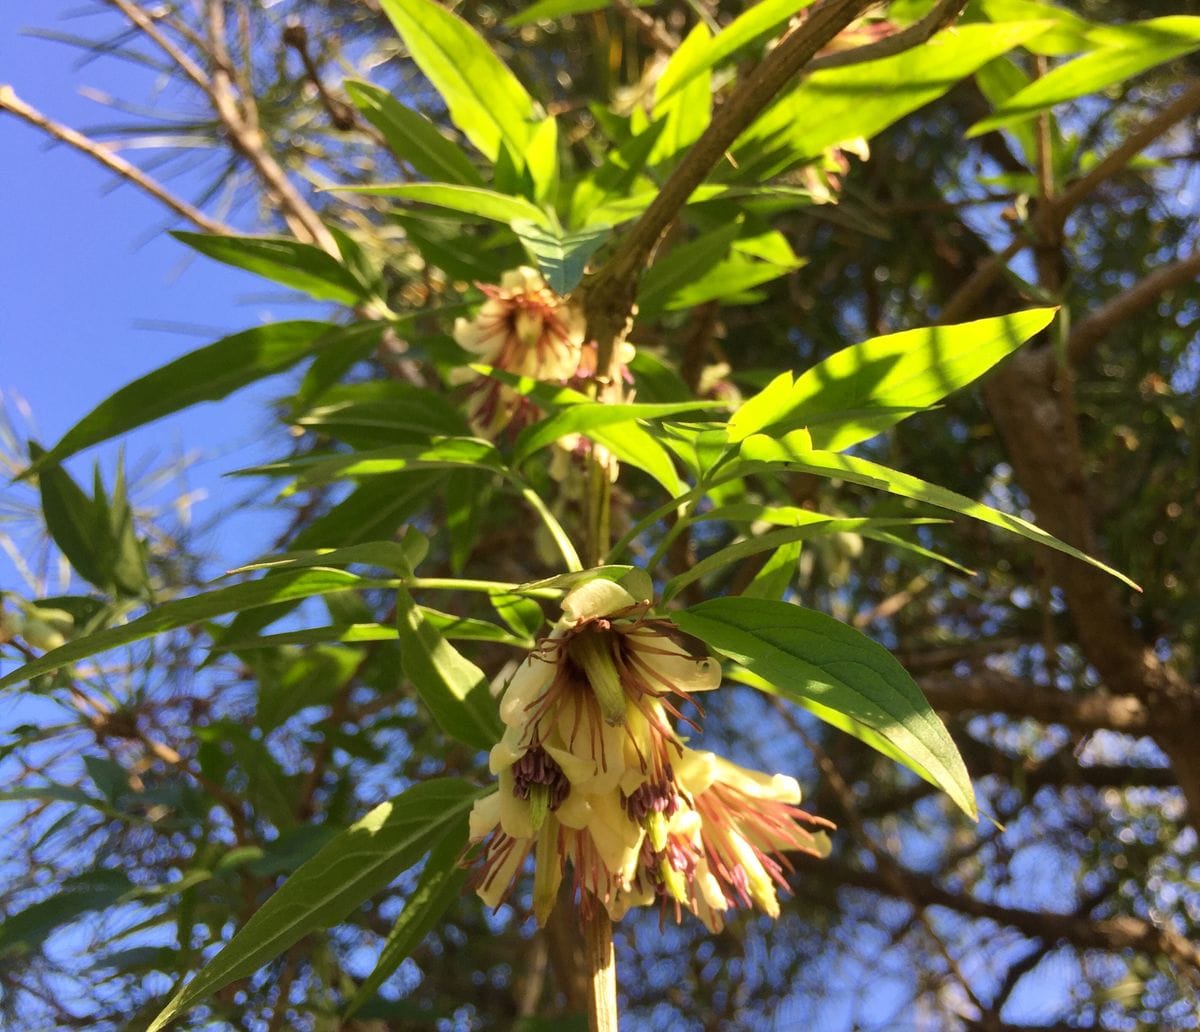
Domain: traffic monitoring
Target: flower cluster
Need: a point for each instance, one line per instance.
(523, 328)
(593, 774)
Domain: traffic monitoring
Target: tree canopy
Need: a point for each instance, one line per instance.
(841, 354)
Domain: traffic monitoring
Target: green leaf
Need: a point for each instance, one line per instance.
(455, 689)
(282, 260)
(211, 373)
(816, 526)
(562, 257)
(589, 416)
(412, 137)
(446, 453)
(842, 104)
(72, 521)
(688, 109)
(469, 200)
(794, 452)
(754, 23)
(683, 265)
(807, 655)
(627, 441)
(616, 176)
(541, 160)
(1130, 50)
(279, 587)
(360, 862)
(28, 929)
(864, 389)
(483, 97)
(440, 885)
(551, 10)
(395, 556)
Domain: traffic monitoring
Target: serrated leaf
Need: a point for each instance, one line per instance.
(412, 137)
(455, 689)
(483, 97)
(282, 260)
(281, 587)
(358, 863)
(808, 655)
(793, 452)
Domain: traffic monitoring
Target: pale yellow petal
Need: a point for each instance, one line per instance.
(528, 684)
(485, 815)
(675, 669)
(501, 877)
(595, 598)
(514, 812)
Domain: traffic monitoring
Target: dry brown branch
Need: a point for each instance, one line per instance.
(1109, 934)
(106, 156)
(991, 691)
(1089, 332)
(609, 293)
(1052, 214)
(943, 14)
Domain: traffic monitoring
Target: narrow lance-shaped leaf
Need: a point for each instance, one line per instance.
(440, 885)
(804, 655)
(211, 373)
(1127, 51)
(863, 389)
(286, 586)
(290, 262)
(467, 200)
(794, 452)
(412, 137)
(454, 688)
(484, 98)
(360, 862)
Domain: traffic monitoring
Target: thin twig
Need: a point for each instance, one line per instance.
(1089, 332)
(106, 156)
(943, 14)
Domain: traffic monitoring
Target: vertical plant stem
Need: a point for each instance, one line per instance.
(602, 971)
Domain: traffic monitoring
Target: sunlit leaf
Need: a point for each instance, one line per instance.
(808, 655)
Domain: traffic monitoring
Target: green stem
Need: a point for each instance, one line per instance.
(570, 556)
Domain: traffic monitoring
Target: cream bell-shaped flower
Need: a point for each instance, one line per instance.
(598, 695)
(718, 841)
(525, 328)
(587, 720)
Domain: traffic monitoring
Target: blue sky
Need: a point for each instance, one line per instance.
(89, 280)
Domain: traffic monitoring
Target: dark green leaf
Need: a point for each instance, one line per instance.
(282, 260)
(412, 137)
(278, 587)
(454, 688)
(810, 657)
(209, 374)
(441, 884)
(358, 863)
